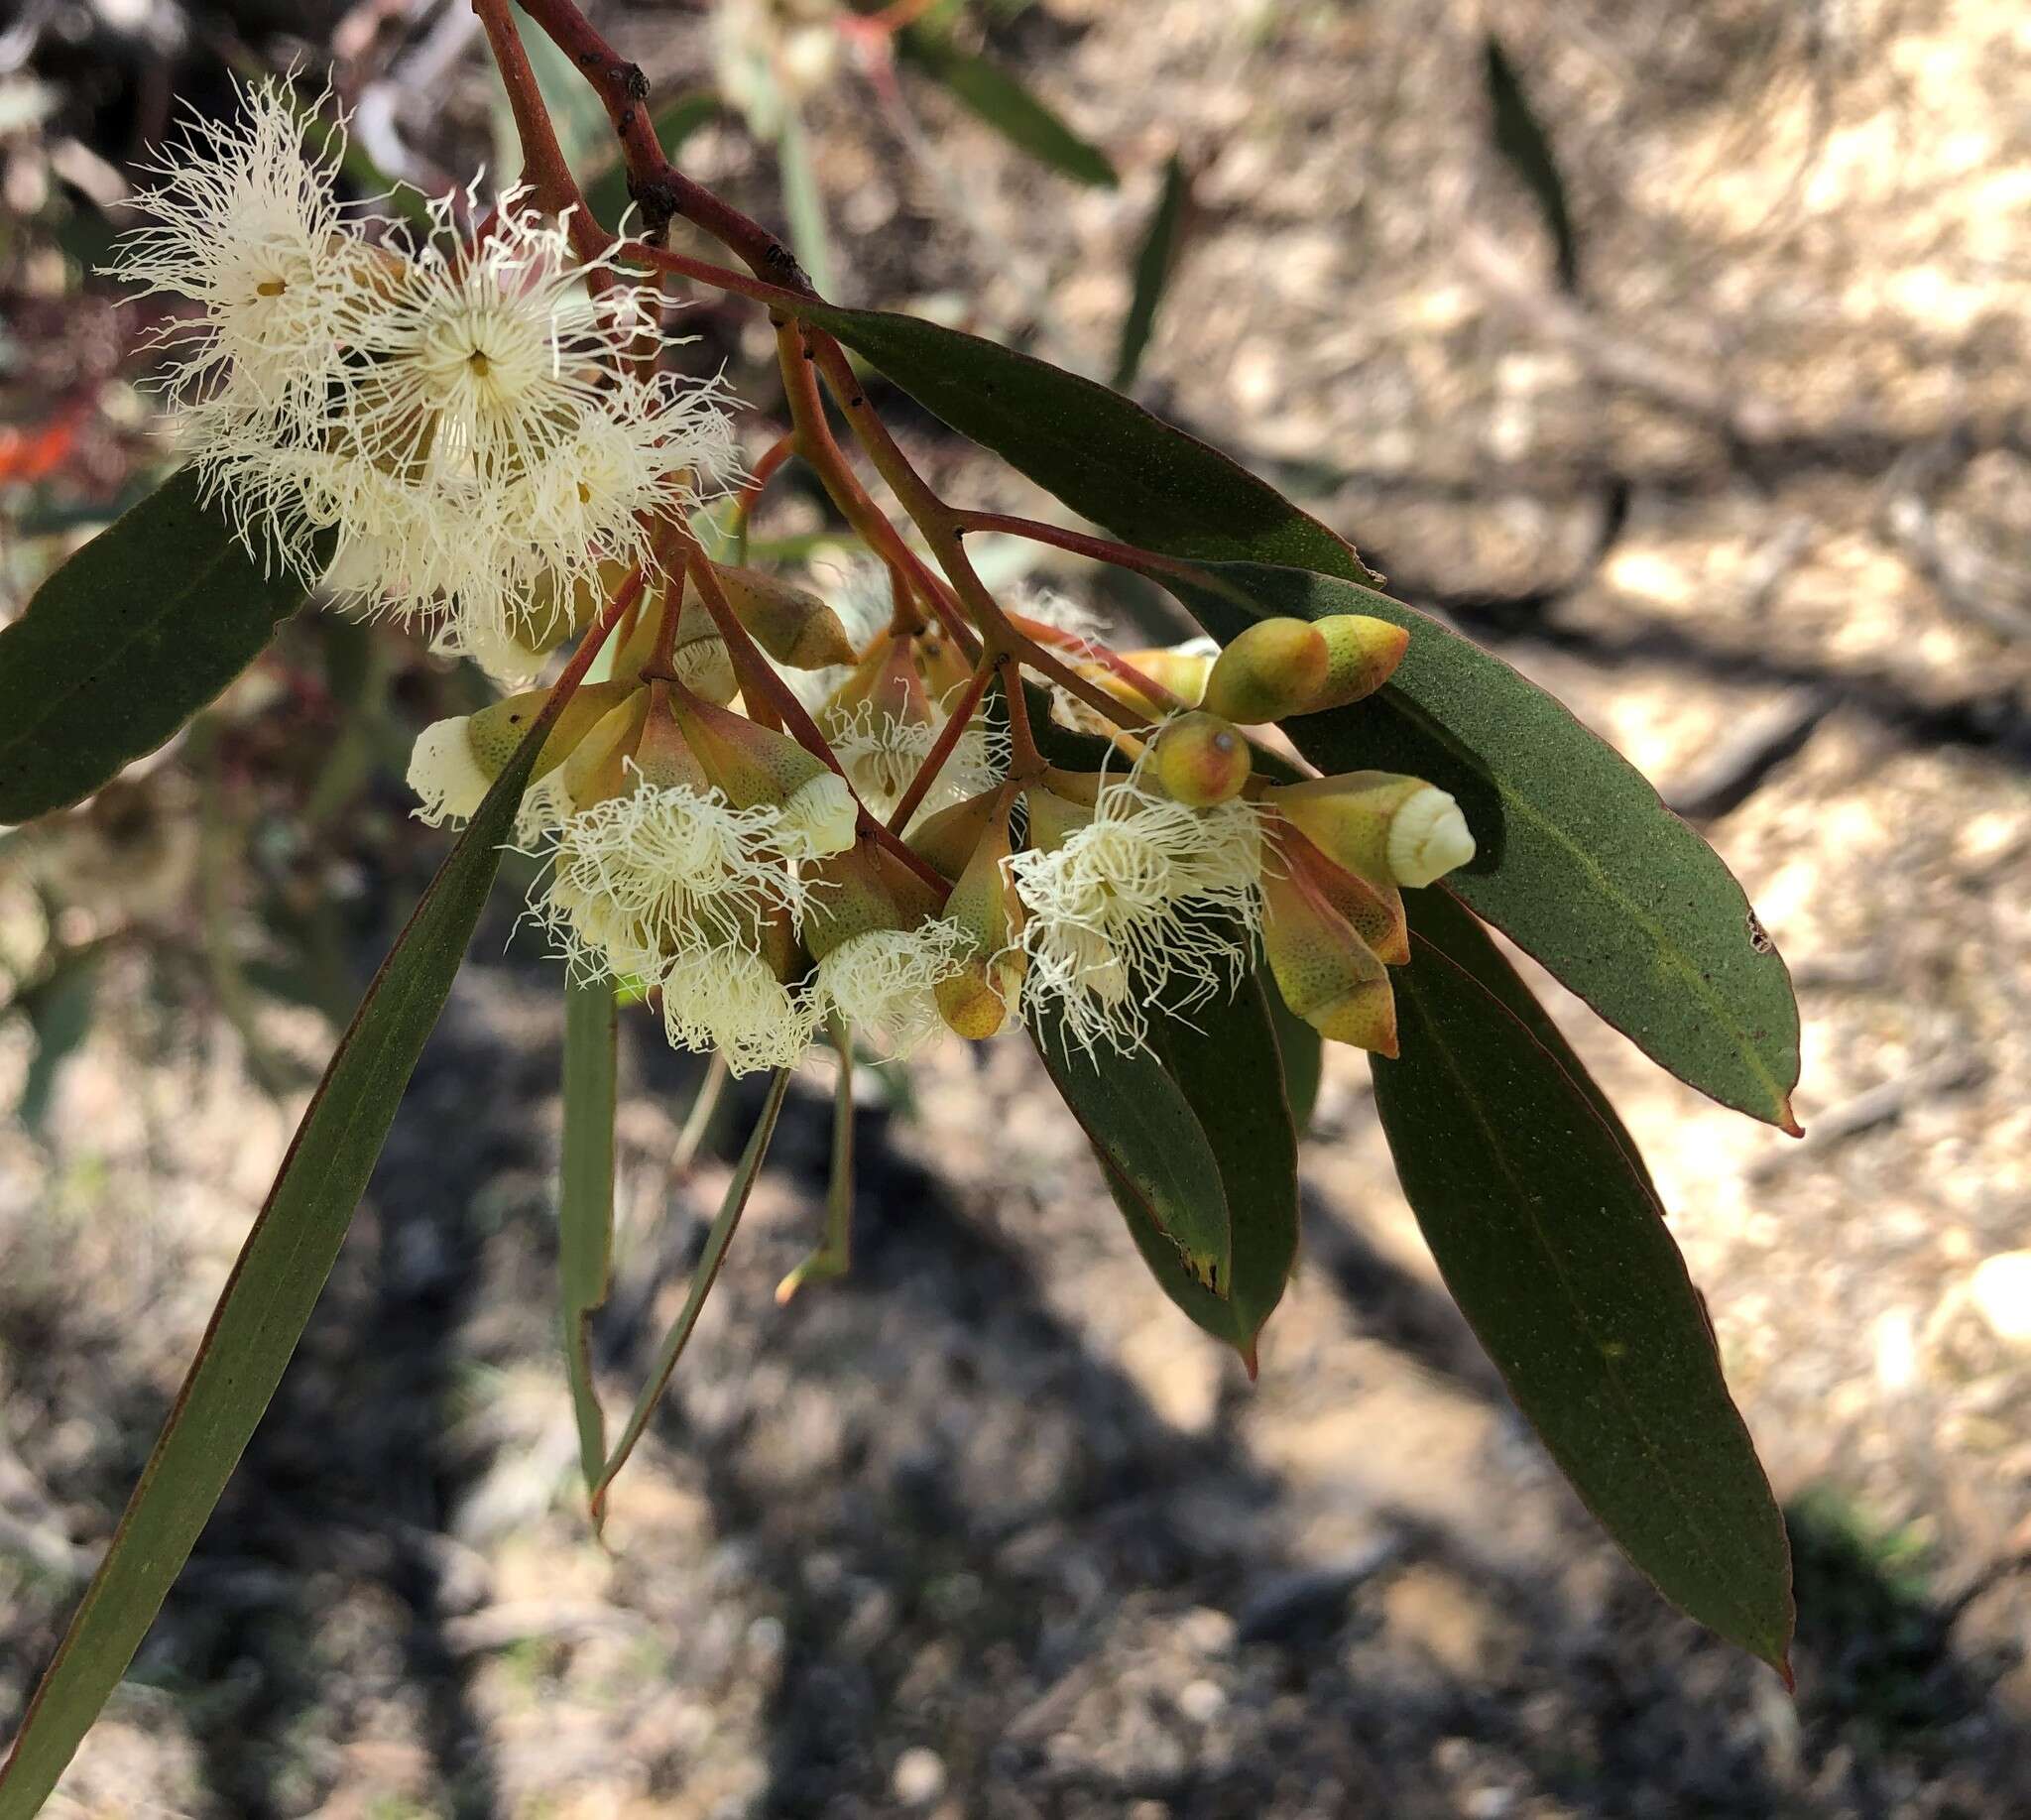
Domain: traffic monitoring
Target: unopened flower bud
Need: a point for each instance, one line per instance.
(1326, 973)
(984, 906)
(1181, 669)
(1274, 667)
(699, 658)
(456, 761)
(1383, 826)
(1199, 759)
(790, 623)
(946, 841)
(755, 765)
(1362, 654)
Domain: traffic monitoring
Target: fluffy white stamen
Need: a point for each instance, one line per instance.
(818, 819)
(881, 981)
(651, 875)
(726, 998)
(882, 753)
(1149, 899)
(250, 229)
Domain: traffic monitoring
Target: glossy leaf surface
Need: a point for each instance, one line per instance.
(1146, 1132)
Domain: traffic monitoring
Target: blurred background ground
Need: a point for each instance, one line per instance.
(989, 1528)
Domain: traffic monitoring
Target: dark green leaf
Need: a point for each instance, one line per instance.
(1303, 1054)
(144, 626)
(1007, 106)
(1144, 1128)
(259, 1319)
(606, 196)
(585, 1198)
(1579, 863)
(1527, 147)
(1156, 260)
(1225, 1059)
(703, 1275)
(1102, 454)
(1553, 1245)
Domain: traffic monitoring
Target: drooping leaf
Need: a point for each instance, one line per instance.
(1553, 1245)
(1143, 1129)
(267, 1300)
(606, 194)
(998, 98)
(1155, 259)
(1103, 455)
(1526, 146)
(1302, 1051)
(1225, 1058)
(144, 626)
(803, 202)
(1579, 862)
(585, 1197)
(703, 1275)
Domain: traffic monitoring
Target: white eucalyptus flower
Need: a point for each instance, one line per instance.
(251, 231)
(883, 981)
(727, 997)
(881, 753)
(653, 874)
(1148, 898)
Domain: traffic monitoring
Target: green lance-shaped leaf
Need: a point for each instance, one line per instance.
(1526, 146)
(144, 626)
(703, 1275)
(1552, 1243)
(267, 1300)
(1103, 455)
(1579, 863)
(803, 202)
(1302, 1051)
(1145, 1132)
(1005, 104)
(586, 1199)
(1225, 1056)
(1221, 1070)
(1156, 260)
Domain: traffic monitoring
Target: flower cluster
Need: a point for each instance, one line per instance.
(466, 419)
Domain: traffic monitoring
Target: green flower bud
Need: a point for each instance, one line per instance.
(1199, 759)
(1276, 666)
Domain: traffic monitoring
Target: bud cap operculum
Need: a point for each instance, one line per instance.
(1272, 669)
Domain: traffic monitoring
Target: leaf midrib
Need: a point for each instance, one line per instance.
(1713, 1558)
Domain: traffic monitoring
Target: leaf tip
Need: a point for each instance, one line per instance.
(1787, 1120)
